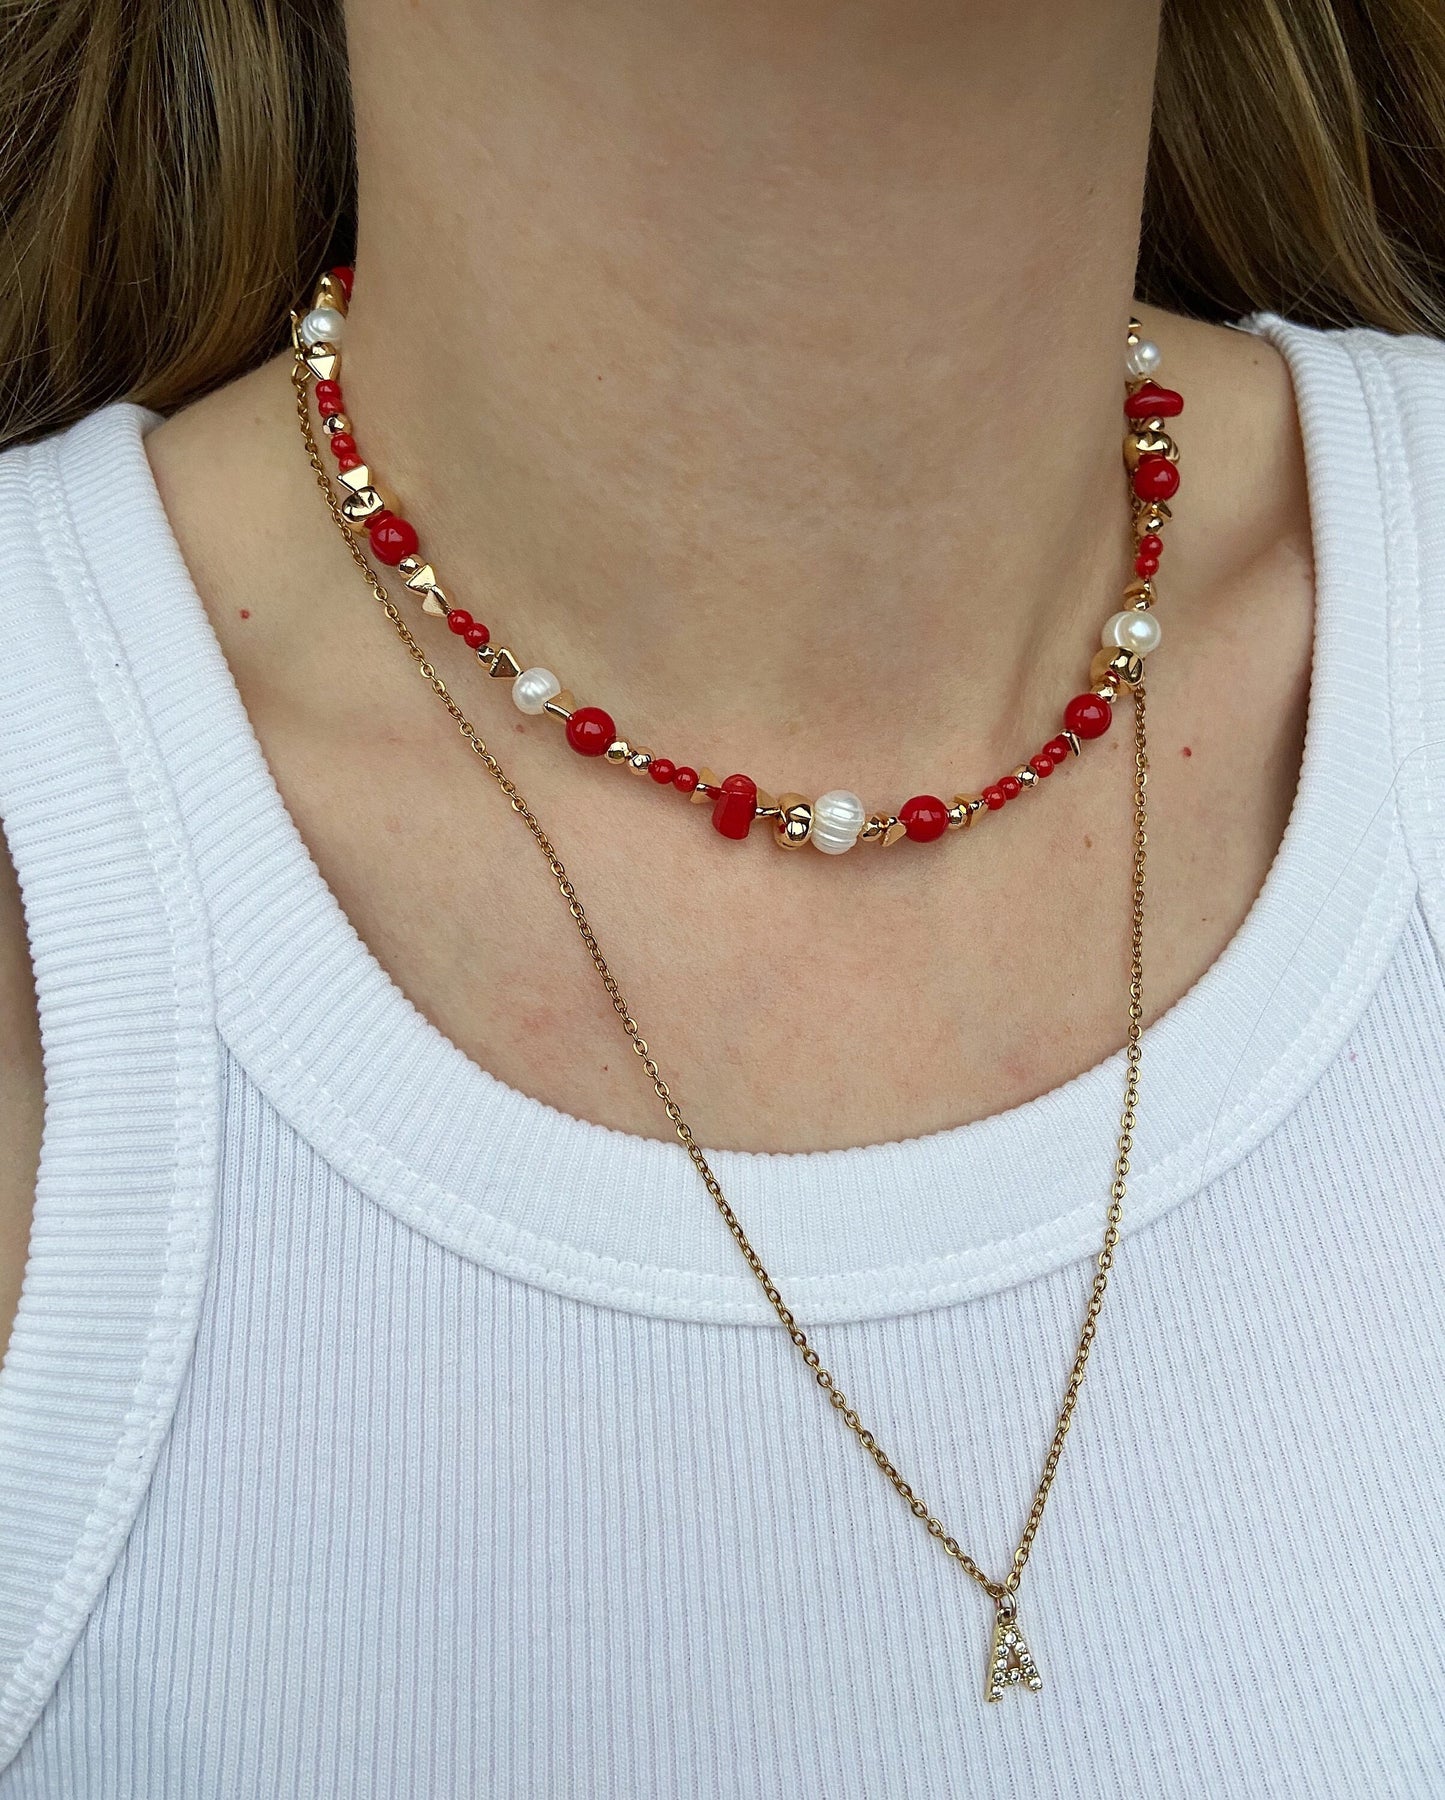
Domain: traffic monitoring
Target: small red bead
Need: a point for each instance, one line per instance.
(1056, 750)
(342, 443)
(661, 770)
(392, 538)
(993, 798)
(1156, 478)
(1042, 766)
(590, 731)
(1088, 716)
(345, 275)
(1146, 566)
(734, 809)
(343, 463)
(685, 779)
(328, 397)
(476, 635)
(460, 621)
(1010, 786)
(1151, 544)
(924, 817)
(1149, 401)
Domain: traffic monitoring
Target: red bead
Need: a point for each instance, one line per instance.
(1010, 786)
(476, 635)
(328, 397)
(924, 817)
(1056, 750)
(1088, 716)
(1042, 766)
(733, 810)
(392, 538)
(1156, 478)
(1146, 566)
(460, 621)
(344, 275)
(342, 443)
(343, 463)
(1149, 401)
(685, 779)
(1151, 544)
(993, 798)
(661, 770)
(590, 731)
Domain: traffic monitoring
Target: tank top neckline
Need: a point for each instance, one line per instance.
(619, 1220)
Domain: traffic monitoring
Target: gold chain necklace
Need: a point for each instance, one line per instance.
(1010, 1661)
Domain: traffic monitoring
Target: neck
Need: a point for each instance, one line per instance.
(757, 364)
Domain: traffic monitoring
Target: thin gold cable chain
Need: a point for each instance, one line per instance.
(1001, 1592)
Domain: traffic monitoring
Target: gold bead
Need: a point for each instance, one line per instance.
(322, 360)
(794, 823)
(435, 601)
(334, 422)
(965, 809)
(1025, 776)
(640, 761)
(357, 508)
(561, 706)
(1139, 595)
(356, 479)
(1149, 440)
(1150, 516)
(619, 751)
(503, 663)
(413, 565)
(1121, 668)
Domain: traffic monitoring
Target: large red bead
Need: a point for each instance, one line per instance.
(1150, 401)
(590, 731)
(1088, 716)
(661, 770)
(924, 817)
(345, 275)
(328, 397)
(733, 810)
(392, 538)
(1156, 478)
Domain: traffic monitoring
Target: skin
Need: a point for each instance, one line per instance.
(792, 436)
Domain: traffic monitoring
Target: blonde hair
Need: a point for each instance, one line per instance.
(174, 172)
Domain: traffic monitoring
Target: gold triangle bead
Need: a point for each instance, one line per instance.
(706, 789)
(435, 602)
(419, 575)
(356, 479)
(505, 664)
(323, 361)
(561, 706)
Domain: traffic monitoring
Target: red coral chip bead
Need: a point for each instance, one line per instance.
(590, 731)
(1088, 715)
(460, 621)
(1056, 750)
(392, 538)
(476, 636)
(734, 809)
(1042, 766)
(350, 461)
(993, 798)
(342, 443)
(685, 779)
(328, 397)
(344, 275)
(661, 770)
(924, 818)
(1146, 566)
(1150, 401)
(1010, 786)
(1151, 544)
(1156, 478)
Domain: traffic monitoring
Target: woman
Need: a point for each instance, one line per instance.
(388, 1407)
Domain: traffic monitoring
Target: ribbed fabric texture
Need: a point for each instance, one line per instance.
(355, 1446)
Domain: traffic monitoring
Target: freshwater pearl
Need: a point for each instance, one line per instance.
(323, 325)
(1137, 632)
(838, 817)
(533, 688)
(1142, 358)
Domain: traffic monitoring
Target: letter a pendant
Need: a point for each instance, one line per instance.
(1010, 1661)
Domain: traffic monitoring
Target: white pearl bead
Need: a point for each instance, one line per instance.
(837, 819)
(533, 688)
(323, 325)
(1137, 632)
(1142, 358)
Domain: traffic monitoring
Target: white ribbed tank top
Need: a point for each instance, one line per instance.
(350, 1443)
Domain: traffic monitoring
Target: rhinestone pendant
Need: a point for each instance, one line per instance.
(1010, 1661)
